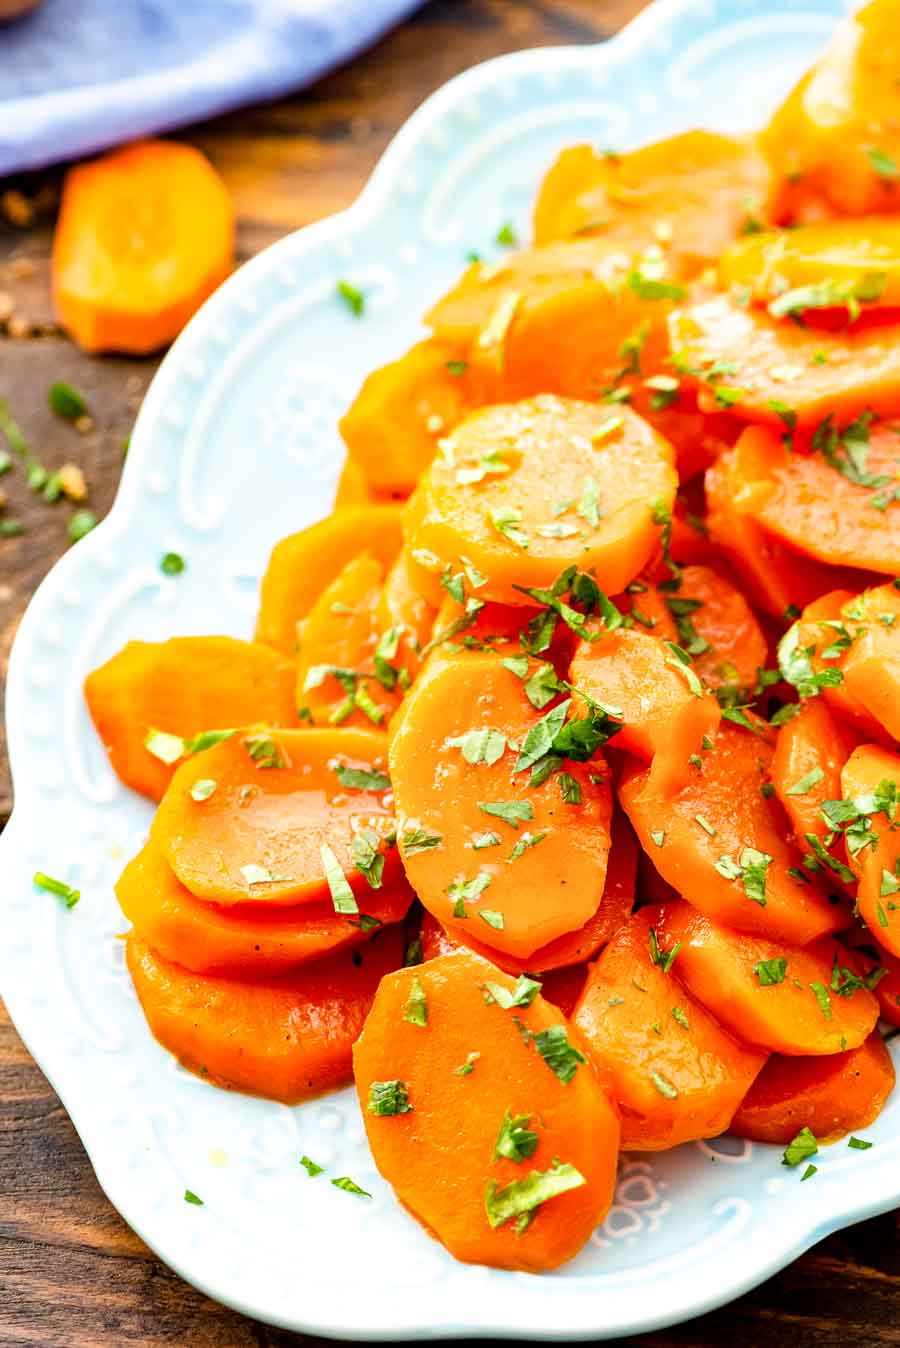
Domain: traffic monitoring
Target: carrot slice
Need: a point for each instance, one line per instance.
(302, 564)
(688, 196)
(144, 235)
(344, 675)
(666, 714)
(831, 1096)
(527, 1179)
(775, 367)
(778, 997)
(810, 501)
(870, 956)
(278, 798)
(242, 942)
(606, 470)
(871, 664)
(815, 650)
(462, 791)
(675, 1074)
(837, 133)
(561, 986)
(285, 1038)
(717, 628)
(405, 613)
(871, 784)
(810, 751)
(402, 410)
(157, 693)
(698, 836)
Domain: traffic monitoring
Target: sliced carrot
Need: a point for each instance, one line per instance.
(675, 1074)
(277, 799)
(402, 410)
(666, 713)
(831, 1096)
(778, 997)
(810, 751)
(493, 629)
(404, 612)
(775, 368)
(521, 863)
(342, 675)
(871, 784)
(871, 664)
(144, 235)
(870, 956)
(837, 133)
(818, 646)
(285, 1038)
(719, 842)
(687, 196)
(556, 483)
(440, 1046)
(718, 629)
(242, 942)
(810, 502)
(157, 693)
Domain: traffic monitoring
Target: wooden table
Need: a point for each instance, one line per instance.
(71, 1272)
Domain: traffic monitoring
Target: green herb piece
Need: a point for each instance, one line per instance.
(457, 367)
(387, 1098)
(658, 837)
(263, 749)
(883, 164)
(809, 1172)
(413, 954)
(310, 1167)
(517, 664)
(704, 823)
(859, 1144)
(480, 746)
(506, 520)
(368, 858)
(191, 1197)
(483, 840)
(417, 840)
(257, 875)
(680, 661)
(416, 1009)
(506, 235)
(800, 1149)
(463, 891)
(664, 1086)
(589, 503)
(806, 782)
(821, 994)
(350, 1186)
(647, 288)
(570, 789)
(771, 972)
(66, 402)
(754, 868)
(681, 610)
(206, 740)
(167, 748)
(468, 1066)
(362, 779)
(523, 994)
(521, 1198)
(203, 788)
(542, 687)
(515, 1140)
(493, 918)
(680, 1017)
(821, 857)
(829, 295)
(796, 668)
(560, 1056)
(365, 922)
(664, 390)
(353, 297)
(465, 620)
(664, 959)
(10, 528)
(81, 523)
(342, 896)
(57, 887)
(890, 884)
(527, 840)
(510, 811)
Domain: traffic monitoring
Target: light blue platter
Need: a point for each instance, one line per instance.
(236, 445)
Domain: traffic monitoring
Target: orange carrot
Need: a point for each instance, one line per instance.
(721, 843)
(831, 1096)
(527, 1179)
(152, 695)
(817, 647)
(487, 837)
(871, 785)
(292, 816)
(810, 751)
(782, 998)
(718, 629)
(404, 612)
(871, 664)
(490, 499)
(242, 942)
(302, 565)
(144, 235)
(675, 1074)
(286, 1038)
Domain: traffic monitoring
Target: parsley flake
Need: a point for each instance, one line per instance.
(387, 1098)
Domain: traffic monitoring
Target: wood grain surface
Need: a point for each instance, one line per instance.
(72, 1275)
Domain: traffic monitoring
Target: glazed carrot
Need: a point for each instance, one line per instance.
(345, 675)
(302, 564)
(150, 695)
(835, 263)
(242, 942)
(775, 368)
(666, 713)
(871, 664)
(278, 798)
(721, 843)
(869, 956)
(526, 490)
(823, 503)
(717, 628)
(675, 1074)
(687, 196)
(532, 1172)
(352, 488)
(777, 997)
(836, 133)
(871, 787)
(402, 410)
(521, 863)
(144, 235)
(404, 612)
(831, 1096)
(286, 1038)
(810, 750)
(814, 651)
(645, 604)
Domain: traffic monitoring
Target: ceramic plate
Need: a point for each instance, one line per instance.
(235, 446)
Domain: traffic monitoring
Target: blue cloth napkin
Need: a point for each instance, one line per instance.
(79, 75)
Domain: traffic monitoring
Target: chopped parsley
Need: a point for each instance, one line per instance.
(387, 1098)
(771, 972)
(520, 1199)
(493, 918)
(859, 1144)
(203, 788)
(510, 811)
(560, 1056)
(350, 1186)
(805, 783)
(416, 1009)
(883, 164)
(523, 994)
(663, 959)
(263, 749)
(342, 896)
(515, 1140)
(66, 402)
(466, 1068)
(506, 520)
(527, 840)
(362, 779)
(506, 236)
(368, 858)
(480, 746)
(311, 1168)
(803, 1146)
(664, 1086)
(172, 564)
(57, 887)
(418, 840)
(191, 1197)
(353, 297)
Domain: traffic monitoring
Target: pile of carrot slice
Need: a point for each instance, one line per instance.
(560, 804)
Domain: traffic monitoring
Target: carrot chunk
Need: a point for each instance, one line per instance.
(292, 816)
(718, 629)
(151, 696)
(532, 1172)
(524, 491)
(786, 999)
(812, 652)
(871, 823)
(487, 837)
(810, 751)
(675, 1074)
(721, 843)
(144, 235)
(831, 1096)
(302, 565)
(871, 663)
(243, 941)
(285, 1038)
